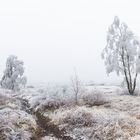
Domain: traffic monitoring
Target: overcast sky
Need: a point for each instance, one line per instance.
(54, 36)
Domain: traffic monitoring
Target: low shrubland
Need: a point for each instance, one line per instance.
(101, 113)
(96, 123)
(56, 97)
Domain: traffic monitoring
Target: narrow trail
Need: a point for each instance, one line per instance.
(45, 126)
(50, 128)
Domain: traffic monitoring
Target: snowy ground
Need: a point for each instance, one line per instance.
(49, 112)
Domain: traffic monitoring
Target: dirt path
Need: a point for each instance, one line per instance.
(51, 129)
(45, 126)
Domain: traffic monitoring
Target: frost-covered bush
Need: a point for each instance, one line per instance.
(79, 117)
(52, 98)
(73, 116)
(94, 97)
(13, 78)
(15, 124)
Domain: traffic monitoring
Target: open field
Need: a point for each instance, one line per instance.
(46, 113)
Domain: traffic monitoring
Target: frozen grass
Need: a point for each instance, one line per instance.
(15, 124)
(103, 112)
(96, 123)
(49, 138)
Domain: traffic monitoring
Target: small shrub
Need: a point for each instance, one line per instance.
(80, 118)
(94, 97)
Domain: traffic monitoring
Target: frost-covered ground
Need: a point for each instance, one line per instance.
(15, 122)
(50, 112)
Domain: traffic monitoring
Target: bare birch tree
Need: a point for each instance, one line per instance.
(76, 85)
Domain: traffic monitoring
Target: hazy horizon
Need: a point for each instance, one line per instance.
(54, 37)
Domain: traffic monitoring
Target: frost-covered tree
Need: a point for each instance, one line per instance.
(13, 78)
(122, 53)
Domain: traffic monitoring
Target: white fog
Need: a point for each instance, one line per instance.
(53, 37)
